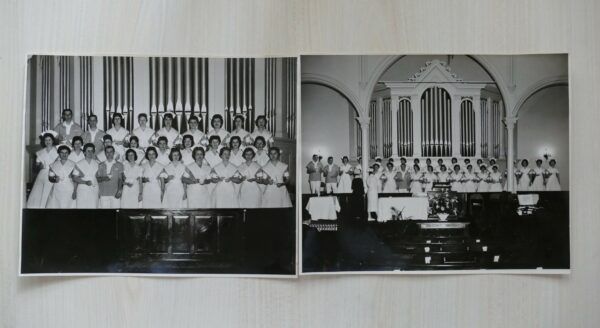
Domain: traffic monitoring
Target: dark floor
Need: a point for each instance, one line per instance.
(496, 238)
(259, 241)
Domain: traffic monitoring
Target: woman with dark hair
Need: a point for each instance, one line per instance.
(416, 178)
(429, 178)
(483, 177)
(193, 131)
(262, 155)
(174, 195)
(118, 133)
(345, 184)
(197, 178)
(261, 131)
(456, 179)
(522, 176)
(223, 174)
(151, 180)
(132, 181)
(162, 154)
(552, 178)
(168, 132)
(495, 178)
(134, 143)
(44, 158)
(84, 175)
(187, 151)
(76, 153)
(61, 172)
(276, 193)
(217, 128)
(237, 157)
(537, 181)
(250, 193)
(239, 131)
(213, 156)
(470, 179)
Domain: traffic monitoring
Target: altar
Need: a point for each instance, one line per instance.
(323, 208)
(402, 208)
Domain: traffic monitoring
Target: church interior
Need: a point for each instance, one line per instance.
(448, 110)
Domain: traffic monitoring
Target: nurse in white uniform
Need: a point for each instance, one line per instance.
(237, 157)
(167, 131)
(174, 196)
(495, 180)
(62, 194)
(162, 154)
(345, 183)
(239, 131)
(38, 198)
(187, 151)
(522, 176)
(216, 122)
(76, 153)
(134, 145)
(552, 180)
(373, 187)
(250, 193)
(132, 177)
(276, 193)
(470, 179)
(261, 131)
(224, 195)
(197, 135)
(456, 179)
(151, 180)
(262, 155)
(416, 178)
(144, 134)
(118, 134)
(85, 177)
(484, 179)
(537, 182)
(197, 178)
(429, 178)
(213, 155)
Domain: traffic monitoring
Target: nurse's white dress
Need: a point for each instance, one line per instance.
(61, 195)
(345, 183)
(172, 136)
(262, 157)
(198, 195)
(212, 157)
(174, 191)
(265, 134)
(243, 134)
(373, 186)
(197, 135)
(523, 182)
(538, 180)
(38, 197)
(133, 174)
(118, 136)
(483, 186)
(430, 179)
(75, 158)
(495, 185)
(163, 157)
(389, 186)
(144, 136)
(416, 187)
(457, 184)
(250, 193)
(87, 196)
(275, 196)
(151, 190)
(552, 184)
(223, 134)
(186, 156)
(470, 185)
(224, 195)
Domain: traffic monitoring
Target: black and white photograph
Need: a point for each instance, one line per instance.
(159, 165)
(434, 163)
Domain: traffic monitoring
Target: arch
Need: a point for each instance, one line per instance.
(338, 87)
(386, 63)
(537, 87)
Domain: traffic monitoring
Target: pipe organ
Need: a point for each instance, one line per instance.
(435, 114)
(436, 126)
(405, 128)
(373, 129)
(467, 128)
(239, 91)
(118, 90)
(86, 90)
(289, 95)
(270, 93)
(178, 86)
(387, 127)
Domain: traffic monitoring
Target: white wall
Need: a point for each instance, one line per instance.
(325, 126)
(544, 124)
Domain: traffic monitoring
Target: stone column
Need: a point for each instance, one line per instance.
(510, 128)
(364, 126)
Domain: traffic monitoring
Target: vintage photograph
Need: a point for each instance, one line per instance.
(162, 165)
(435, 163)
